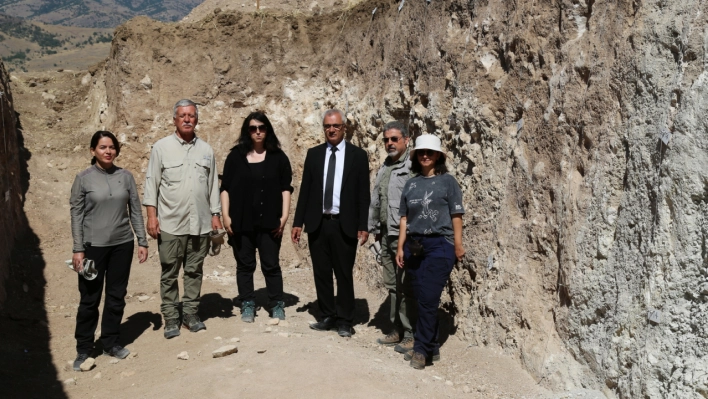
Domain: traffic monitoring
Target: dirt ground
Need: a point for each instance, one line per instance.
(275, 361)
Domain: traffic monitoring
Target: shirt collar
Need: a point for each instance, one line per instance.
(183, 142)
(340, 147)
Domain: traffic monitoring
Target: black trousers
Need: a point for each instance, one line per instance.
(244, 246)
(332, 251)
(113, 265)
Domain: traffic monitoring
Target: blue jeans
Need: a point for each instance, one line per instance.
(429, 274)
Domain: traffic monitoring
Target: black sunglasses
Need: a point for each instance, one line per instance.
(254, 128)
(393, 139)
(426, 152)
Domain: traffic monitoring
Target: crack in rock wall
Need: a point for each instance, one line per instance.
(582, 223)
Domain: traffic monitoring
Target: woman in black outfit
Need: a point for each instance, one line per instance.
(255, 201)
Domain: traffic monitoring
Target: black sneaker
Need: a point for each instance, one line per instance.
(171, 328)
(80, 359)
(117, 351)
(192, 322)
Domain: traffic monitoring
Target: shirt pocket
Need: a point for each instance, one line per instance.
(203, 168)
(172, 171)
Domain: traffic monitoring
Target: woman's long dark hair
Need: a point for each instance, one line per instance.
(245, 143)
(439, 167)
(98, 136)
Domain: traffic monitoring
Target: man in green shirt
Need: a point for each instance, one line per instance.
(384, 222)
(183, 206)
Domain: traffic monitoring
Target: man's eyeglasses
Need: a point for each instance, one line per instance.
(336, 126)
(393, 139)
(254, 128)
(427, 152)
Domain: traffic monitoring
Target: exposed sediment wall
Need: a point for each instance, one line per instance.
(580, 219)
(13, 222)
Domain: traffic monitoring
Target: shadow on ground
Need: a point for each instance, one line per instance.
(135, 325)
(25, 359)
(361, 311)
(446, 319)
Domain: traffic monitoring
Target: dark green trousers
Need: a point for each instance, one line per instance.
(176, 251)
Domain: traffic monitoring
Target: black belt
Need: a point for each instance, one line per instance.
(330, 216)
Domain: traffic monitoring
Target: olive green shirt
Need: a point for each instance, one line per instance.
(181, 181)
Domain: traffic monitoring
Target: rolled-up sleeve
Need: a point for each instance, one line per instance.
(214, 199)
(152, 178)
(77, 208)
(136, 215)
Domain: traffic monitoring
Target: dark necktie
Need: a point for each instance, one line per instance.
(329, 185)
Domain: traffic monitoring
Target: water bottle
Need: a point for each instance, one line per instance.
(89, 272)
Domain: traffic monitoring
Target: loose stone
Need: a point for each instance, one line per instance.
(224, 351)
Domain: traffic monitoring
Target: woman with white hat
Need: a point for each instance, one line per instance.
(430, 240)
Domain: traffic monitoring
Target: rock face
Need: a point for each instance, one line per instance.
(13, 222)
(576, 129)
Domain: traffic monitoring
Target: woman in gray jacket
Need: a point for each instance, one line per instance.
(104, 204)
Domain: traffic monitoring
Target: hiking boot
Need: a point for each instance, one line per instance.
(390, 340)
(434, 358)
(117, 351)
(248, 312)
(80, 359)
(171, 328)
(405, 345)
(278, 310)
(192, 322)
(417, 360)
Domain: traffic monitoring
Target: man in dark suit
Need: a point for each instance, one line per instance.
(333, 204)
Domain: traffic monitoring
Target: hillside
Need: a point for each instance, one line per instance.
(94, 13)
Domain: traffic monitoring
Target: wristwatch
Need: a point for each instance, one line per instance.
(216, 214)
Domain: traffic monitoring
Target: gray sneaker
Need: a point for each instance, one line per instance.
(192, 322)
(248, 312)
(118, 352)
(171, 328)
(80, 359)
(278, 310)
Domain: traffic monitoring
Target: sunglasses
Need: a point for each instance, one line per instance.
(393, 139)
(427, 152)
(254, 128)
(336, 126)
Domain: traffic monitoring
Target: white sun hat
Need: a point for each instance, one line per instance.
(428, 142)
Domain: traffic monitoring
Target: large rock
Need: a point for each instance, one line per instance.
(224, 351)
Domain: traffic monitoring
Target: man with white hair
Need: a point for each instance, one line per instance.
(183, 207)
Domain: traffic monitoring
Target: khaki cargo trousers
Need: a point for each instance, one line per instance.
(176, 251)
(404, 308)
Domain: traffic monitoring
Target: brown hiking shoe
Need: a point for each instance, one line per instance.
(418, 361)
(390, 340)
(434, 358)
(405, 345)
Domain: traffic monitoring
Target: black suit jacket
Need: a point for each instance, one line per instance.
(354, 198)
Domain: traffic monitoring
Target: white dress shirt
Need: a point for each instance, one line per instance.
(338, 173)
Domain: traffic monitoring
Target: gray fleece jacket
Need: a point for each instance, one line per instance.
(104, 203)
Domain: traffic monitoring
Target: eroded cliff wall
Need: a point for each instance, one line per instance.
(580, 219)
(13, 181)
